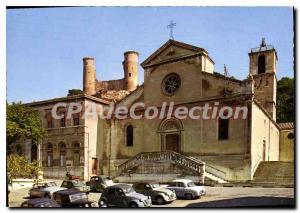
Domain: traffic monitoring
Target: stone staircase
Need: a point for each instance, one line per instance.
(274, 172)
(194, 165)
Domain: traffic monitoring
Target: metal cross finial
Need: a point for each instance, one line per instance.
(263, 42)
(226, 75)
(171, 26)
(225, 71)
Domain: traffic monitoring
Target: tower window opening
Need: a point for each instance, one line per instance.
(261, 64)
(223, 129)
(129, 135)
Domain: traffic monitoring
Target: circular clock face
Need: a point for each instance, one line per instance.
(171, 84)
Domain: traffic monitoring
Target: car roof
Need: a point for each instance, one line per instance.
(44, 182)
(145, 182)
(182, 180)
(39, 200)
(73, 181)
(68, 191)
(119, 185)
(100, 176)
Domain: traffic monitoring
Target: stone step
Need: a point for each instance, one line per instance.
(274, 172)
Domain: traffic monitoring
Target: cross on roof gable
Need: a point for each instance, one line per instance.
(169, 43)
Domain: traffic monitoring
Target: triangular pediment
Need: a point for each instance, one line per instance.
(172, 49)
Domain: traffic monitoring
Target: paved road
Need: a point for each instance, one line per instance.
(216, 197)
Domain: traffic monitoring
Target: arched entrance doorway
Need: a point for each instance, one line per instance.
(173, 142)
(170, 131)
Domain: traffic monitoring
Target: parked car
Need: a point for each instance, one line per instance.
(75, 184)
(44, 189)
(40, 203)
(186, 189)
(73, 198)
(99, 183)
(123, 195)
(155, 191)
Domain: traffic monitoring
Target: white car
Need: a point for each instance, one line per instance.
(186, 189)
(44, 189)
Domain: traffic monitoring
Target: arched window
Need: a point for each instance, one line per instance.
(63, 120)
(49, 155)
(291, 136)
(33, 152)
(76, 154)
(129, 135)
(223, 129)
(261, 64)
(62, 154)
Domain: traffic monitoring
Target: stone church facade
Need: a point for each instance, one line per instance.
(224, 149)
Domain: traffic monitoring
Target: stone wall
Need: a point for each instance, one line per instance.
(111, 85)
(286, 146)
(264, 131)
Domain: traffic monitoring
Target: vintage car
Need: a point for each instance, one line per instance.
(75, 184)
(123, 195)
(157, 193)
(40, 203)
(73, 198)
(99, 183)
(186, 189)
(44, 189)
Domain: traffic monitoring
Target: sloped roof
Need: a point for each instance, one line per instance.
(67, 98)
(289, 125)
(175, 43)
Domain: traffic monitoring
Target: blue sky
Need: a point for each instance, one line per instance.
(45, 47)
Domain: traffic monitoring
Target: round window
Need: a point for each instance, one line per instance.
(171, 84)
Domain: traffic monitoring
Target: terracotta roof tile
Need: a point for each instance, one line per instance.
(289, 125)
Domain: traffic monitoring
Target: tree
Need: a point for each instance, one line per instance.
(19, 167)
(23, 122)
(75, 92)
(285, 100)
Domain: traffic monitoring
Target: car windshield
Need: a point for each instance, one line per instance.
(106, 178)
(51, 184)
(36, 186)
(128, 190)
(191, 184)
(78, 196)
(78, 183)
(155, 185)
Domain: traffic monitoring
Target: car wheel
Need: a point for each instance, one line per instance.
(160, 200)
(103, 203)
(133, 205)
(47, 195)
(188, 196)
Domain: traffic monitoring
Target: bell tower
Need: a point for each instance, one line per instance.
(263, 64)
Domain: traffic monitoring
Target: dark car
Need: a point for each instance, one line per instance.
(75, 184)
(123, 195)
(157, 193)
(40, 203)
(99, 183)
(73, 198)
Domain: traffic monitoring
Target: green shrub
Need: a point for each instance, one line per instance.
(19, 167)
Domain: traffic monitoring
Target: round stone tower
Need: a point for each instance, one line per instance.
(89, 76)
(130, 66)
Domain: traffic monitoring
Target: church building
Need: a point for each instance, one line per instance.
(219, 149)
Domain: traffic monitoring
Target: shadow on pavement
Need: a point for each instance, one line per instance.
(248, 202)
